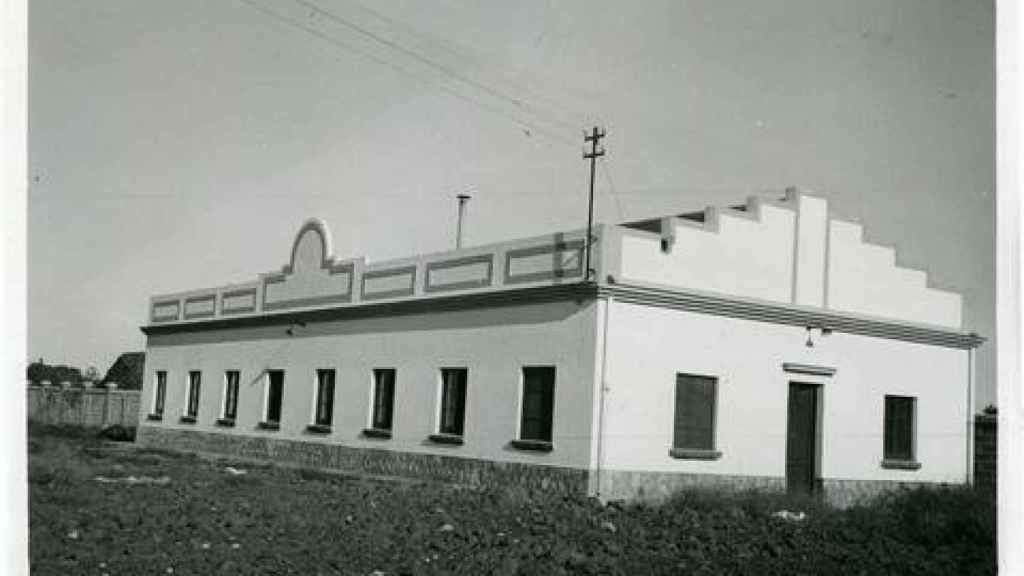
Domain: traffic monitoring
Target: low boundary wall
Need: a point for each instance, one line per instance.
(93, 407)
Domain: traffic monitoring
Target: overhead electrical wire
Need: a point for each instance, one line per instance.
(527, 124)
(470, 58)
(519, 103)
(446, 70)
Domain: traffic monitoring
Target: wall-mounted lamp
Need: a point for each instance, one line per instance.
(821, 329)
(291, 332)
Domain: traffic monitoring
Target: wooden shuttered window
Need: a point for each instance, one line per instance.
(383, 398)
(899, 428)
(538, 403)
(453, 400)
(324, 397)
(695, 412)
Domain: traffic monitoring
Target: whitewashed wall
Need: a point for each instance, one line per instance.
(863, 278)
(789, 251)
(647, 346)
(494, 344)
(736, 253)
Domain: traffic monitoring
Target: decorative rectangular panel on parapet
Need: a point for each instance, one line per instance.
(165, 311)
(200, 306)
(460, 274)
(238, 301)
(389, 283)
(548, 262)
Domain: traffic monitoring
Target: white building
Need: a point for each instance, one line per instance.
(766, 345)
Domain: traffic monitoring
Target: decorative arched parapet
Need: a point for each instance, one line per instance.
(312, 277)
(312, 247)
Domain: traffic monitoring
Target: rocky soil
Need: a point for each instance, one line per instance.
(99, 507)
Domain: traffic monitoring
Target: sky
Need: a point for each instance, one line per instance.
(180, 145)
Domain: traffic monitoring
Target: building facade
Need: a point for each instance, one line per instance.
(764, 345)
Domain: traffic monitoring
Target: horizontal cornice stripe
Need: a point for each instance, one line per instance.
(702, 303)
(789, 315)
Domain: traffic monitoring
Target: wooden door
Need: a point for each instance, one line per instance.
(802, 438)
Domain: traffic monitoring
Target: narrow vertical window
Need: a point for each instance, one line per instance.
(324, 398)
(694, 424)
(192, 408)
(538, 403)
(898, 431)
(160, 394)
(453, 401)
(231, 379)
(383, 398)
(272, 408)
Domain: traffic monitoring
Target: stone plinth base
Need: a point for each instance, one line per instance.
(465, 471)
(846, 493)
(614, 484)
(658, 486)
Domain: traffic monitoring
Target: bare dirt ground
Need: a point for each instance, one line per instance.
(99, 507)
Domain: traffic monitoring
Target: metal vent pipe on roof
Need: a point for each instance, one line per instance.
(463, 198)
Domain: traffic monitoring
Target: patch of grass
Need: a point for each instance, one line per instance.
(37, 430)
(947, 530)
(273, 520)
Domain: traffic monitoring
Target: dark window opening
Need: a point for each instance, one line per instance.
(324, 397)
(161, 393)
(383, 398)
(231, 378)
(899, 428)
(275, 389)
(538, 403)
(694, 413)
(192, 411)
(453, 400)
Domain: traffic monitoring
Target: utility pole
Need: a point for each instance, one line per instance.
(594, 138)
(458, 228)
